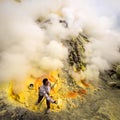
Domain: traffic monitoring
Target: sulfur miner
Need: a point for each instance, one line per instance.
(44, 91)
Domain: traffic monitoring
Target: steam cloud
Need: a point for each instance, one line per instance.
(26, 44)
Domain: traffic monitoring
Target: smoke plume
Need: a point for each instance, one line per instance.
(31, 36)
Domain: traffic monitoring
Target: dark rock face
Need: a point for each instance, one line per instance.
(76, 49)
(112, 77)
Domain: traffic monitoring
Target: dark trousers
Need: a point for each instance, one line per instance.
(47, 102)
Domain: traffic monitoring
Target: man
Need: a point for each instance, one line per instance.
(44, 91)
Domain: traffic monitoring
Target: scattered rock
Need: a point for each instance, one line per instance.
(114, 84)
(3, 112)
(31, 86)
(118, 70)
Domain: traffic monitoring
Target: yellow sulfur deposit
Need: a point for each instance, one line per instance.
(26, 92)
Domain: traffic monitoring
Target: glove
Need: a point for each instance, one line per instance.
(55, 102)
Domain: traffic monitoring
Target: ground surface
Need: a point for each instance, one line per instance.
(103, 104)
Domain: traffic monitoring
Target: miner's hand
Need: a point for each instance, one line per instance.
(55, 102)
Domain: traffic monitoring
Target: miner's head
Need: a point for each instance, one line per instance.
(45, 82)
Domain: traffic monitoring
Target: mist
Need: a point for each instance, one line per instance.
(27, 45)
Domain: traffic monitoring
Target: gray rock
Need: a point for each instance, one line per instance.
(118, 70)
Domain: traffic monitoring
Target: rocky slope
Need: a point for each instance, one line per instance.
(103, 104)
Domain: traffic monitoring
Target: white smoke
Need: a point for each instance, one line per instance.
(24, 41)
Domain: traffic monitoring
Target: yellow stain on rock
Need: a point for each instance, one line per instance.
(27, 95)
(71, 95)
